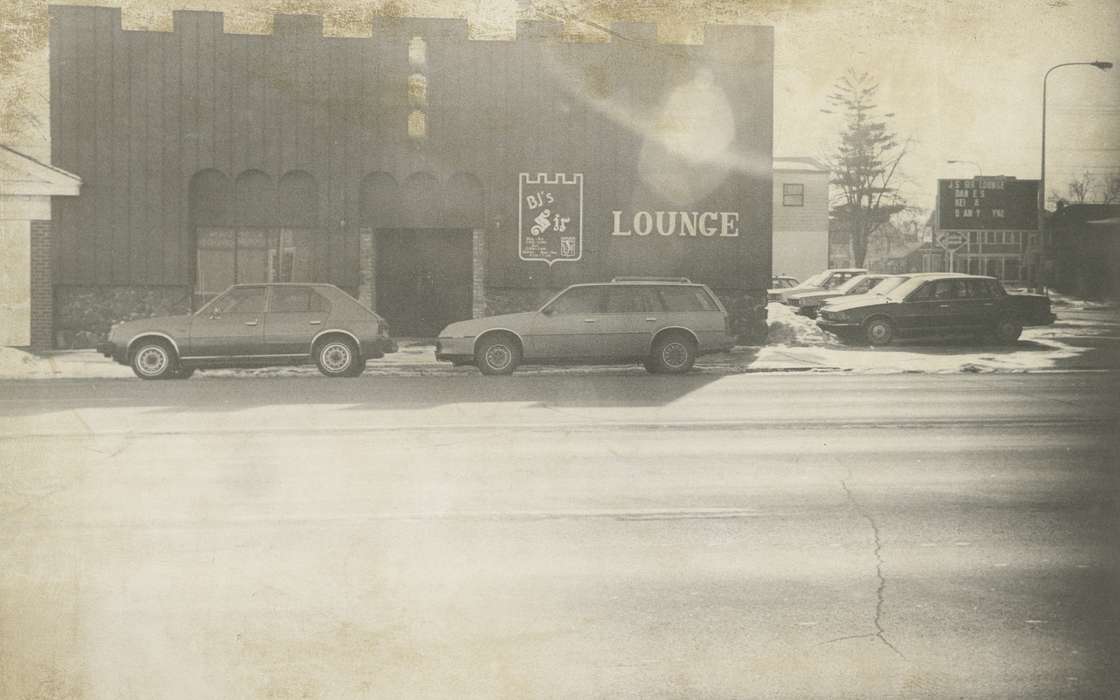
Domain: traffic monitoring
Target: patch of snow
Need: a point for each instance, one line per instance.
(787, 327)
(1063, 301)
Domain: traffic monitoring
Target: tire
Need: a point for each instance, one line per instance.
(154, 359)
(672, 354)
(359, 367)
(337, 357)
(497, 354)
(1007, 331)
(879, 331)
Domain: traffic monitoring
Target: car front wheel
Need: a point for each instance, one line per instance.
(497, 355)
(879, 331)
(671, 354)
(154, 360)
(1008, 330)
(337, 357)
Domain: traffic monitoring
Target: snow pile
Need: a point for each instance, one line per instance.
(19, 364)
(1061, 301)
(787, 327)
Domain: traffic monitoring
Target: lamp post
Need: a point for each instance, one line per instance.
(979, 170)
(1100, 65)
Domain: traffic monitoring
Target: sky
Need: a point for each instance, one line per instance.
(962, 77)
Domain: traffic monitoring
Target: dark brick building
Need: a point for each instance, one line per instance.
(432, 176)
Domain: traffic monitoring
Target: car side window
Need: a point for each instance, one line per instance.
(685, 299)
(296, 300)
(289, 300)
(628, 300)
(578, 300)
(243, 300)
(979, 289)
(923, 293)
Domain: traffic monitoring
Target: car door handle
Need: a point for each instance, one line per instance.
(651, 318)
(250, 323)
(943, 306)
(315, 323)
(589, 320)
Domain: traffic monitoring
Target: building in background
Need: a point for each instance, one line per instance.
(993, 224)
(431, 176)
(1084, 242)
(26, 188)
(801, 245)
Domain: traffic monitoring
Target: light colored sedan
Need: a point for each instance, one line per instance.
(255, 325)
(664, 324)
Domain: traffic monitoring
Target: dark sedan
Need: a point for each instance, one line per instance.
(937, 306)
(254, 325)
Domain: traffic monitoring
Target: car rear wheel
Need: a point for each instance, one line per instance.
(337, 357)
(671, 354)
(1008, 330)
(154, 359)
(499, 354)
(879, 331)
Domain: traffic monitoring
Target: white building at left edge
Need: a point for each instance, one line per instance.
(26, 188)
(800, 246)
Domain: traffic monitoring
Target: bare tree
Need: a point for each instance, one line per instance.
(864, 164)
(1110, 189)
(1081, 188)
(23, 31)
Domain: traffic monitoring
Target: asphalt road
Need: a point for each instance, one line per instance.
(561, 537)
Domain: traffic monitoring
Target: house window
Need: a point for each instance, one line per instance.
(793, 195)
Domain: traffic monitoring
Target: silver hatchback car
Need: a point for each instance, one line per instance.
(662, 323)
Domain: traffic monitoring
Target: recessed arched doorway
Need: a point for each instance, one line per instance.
(423, 250)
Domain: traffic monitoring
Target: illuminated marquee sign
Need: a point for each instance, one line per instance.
(987, 204)
(550, 217)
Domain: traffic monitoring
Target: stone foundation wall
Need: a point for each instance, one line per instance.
(82, 315)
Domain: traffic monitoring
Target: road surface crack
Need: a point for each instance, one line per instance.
(880, 592)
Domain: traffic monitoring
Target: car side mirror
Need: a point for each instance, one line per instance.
(548, 311)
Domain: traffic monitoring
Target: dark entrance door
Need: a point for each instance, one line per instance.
(423, 279)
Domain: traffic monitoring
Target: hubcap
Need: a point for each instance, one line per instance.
(335, 357)
(674, 355)
(879, 331)
(151, 361)
(498, 357)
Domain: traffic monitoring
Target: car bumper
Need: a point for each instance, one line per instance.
(379, 347)
(113, 351)
(454, 349)
(838, 327)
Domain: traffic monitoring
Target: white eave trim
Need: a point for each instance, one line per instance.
(23, 176)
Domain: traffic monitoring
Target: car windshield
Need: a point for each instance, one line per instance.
(815, 280)
(853, 283)
(236, 300)
(903, 290)
(886, 284)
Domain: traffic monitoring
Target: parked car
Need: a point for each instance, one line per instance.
(663, 323)
(254, 325)
(823, 280)
(937, 305)
(778, 284)
(807, 303)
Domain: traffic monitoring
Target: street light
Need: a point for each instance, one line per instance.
(979, 170)
(1100, 65)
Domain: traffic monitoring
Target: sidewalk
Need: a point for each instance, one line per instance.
(1086, 336)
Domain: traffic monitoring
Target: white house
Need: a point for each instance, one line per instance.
(800, 205)
(26, 188)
